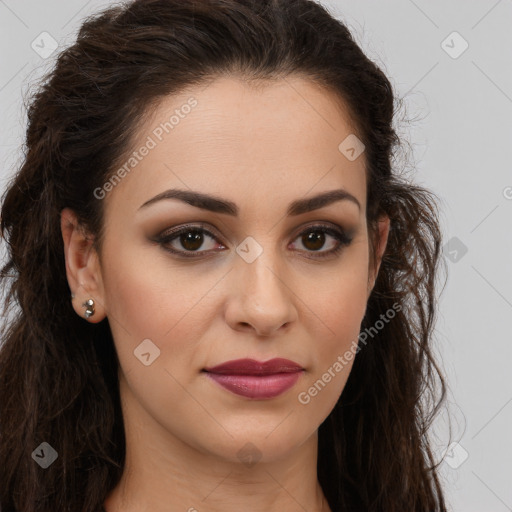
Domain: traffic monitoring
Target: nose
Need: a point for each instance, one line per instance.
(261, 298)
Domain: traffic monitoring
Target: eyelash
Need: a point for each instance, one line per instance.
(339, 235)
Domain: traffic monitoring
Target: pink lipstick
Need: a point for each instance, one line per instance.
(254, 379)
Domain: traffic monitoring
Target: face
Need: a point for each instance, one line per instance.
(247, 268)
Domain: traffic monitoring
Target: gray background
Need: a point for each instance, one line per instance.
(461, 106)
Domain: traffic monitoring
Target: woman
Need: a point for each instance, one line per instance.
(226, 296)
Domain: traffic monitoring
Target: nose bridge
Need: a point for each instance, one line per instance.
(260, 269)
(262, 298)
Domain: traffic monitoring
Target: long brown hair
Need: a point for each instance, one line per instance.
(58, 373)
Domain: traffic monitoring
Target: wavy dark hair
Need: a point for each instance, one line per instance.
(58, 373)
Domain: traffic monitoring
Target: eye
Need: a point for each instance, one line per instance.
(314, 238)
(187, 240)
(189, 237)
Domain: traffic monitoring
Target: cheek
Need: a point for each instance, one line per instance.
(341, 316)
(170, 305)
(337, 300)
(338, 304)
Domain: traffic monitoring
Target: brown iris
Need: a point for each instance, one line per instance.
(317, 238)
(191, 240)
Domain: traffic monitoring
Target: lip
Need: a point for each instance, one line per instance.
(253, 367)
(256, 380)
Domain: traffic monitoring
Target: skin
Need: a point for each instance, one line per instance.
(260, 148)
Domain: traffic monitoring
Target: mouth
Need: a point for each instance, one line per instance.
(256, 380)
(257, 387)
(253, 367)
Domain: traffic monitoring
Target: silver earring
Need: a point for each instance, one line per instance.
(89, 308)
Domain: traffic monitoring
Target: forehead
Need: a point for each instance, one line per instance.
(264, 141)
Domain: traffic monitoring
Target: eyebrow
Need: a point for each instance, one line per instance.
(219, 205)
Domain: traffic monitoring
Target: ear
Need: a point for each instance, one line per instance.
(382, 240)
(82, 268)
